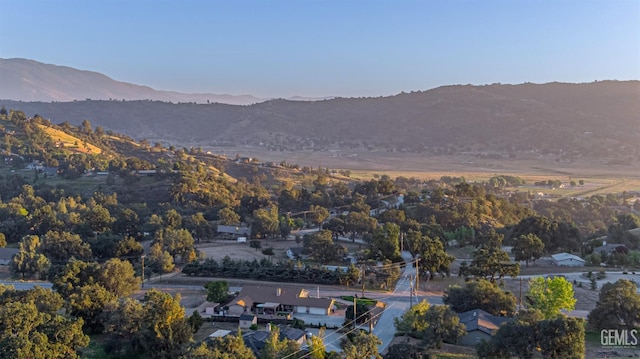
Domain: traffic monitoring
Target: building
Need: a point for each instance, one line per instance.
(247, 320)
(256, 340)
(234, 232)
(480, 325)
(567, 260)
(263, 300)
(6, 255)
(608, 248)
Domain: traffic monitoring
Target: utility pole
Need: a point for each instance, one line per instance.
(520, 300)
(142, 257)
(411, 292)
(355, 299)
(362, 280)
(417, 273)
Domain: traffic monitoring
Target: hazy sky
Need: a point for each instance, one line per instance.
(280, 48)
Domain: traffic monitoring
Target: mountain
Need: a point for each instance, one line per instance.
(562, 120)
(28, 80)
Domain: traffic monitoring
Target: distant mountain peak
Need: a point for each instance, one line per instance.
(30, 80)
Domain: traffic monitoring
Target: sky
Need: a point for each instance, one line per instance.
(313, 48)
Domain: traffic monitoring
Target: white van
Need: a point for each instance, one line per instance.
(242, 239)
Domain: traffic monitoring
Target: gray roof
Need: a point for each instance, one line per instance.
(8, 253)
(478, 319)
(247, 317)
(608, 248)
(566, 256)
(250, 295)
(237, 230)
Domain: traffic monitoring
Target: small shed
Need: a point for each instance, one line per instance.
(247, 320)
(567, 260)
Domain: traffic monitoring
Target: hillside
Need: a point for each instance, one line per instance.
(569, 121)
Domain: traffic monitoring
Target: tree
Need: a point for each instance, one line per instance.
(550, 295)
(444, 326)
(321, 247)
(217, 291)
(317, 348)
(413, 321)
(337, 227)
(359, 222)
(88, 302)
(159, 260)
(361, 345)
(119, 277)
(166, 329)
(123, 321)
(86, 127)
(276, 348)
(317, 215)
(178, 242)
(3, 240)
(403, 351)
(98, 218)
(28, 332)
(562, 337)
(29, 261)
(430, 251)
(228, 216)
(386, 243)
(481, 294)
(198, 226)
(618, 307)
(195, 321)
(490, 261)
(59, 247)
(529, 333)
(128, 247)
(528, 247)
(227, 347)
(265, 221)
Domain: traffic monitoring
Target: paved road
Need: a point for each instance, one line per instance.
(397, 303)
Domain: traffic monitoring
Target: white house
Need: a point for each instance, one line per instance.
(567, 260)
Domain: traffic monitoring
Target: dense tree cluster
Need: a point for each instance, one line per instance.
(529, 333)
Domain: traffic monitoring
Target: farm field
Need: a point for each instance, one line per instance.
(598, 176)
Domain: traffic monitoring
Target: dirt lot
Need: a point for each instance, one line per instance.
(218, 249)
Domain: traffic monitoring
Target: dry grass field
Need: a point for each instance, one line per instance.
(70, 142)
(599, 177)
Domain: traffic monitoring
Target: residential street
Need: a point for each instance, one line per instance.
(397, 303)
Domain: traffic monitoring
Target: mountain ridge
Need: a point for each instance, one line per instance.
(30, 80)
(595, 120)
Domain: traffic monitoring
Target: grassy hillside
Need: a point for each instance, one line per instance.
(69, 141)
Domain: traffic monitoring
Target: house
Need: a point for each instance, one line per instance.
(264, 300)
(234, 231)
(480, 325)
(248, 320)
(6, 255)
(256, 340)
(608, 248)
(567, 260)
